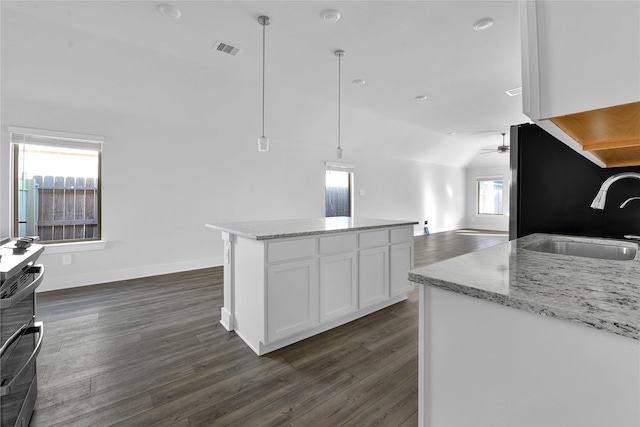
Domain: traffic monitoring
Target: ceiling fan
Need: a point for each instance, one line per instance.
(500, 149)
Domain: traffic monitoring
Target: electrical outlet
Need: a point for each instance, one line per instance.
(362, 192)
(66, 259)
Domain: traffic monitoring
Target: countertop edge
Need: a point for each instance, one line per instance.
(538, 309)
(623, 325)
(308, 233)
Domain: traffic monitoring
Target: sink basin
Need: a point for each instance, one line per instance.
(619, 252)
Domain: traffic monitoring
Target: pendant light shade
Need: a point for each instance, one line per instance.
(339, 54)
(263, 142)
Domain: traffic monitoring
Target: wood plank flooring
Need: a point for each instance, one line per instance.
(151, 352)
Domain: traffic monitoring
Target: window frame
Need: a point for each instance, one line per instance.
(502, 207)
(56, 139)
(341, 167)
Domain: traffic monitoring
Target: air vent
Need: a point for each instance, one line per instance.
(226, 48)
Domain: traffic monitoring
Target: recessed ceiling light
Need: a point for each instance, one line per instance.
(482, 24)
(330, 15)
(514, 91)
(169, 11)
(358, 82)
(451, 133)
(421, 97)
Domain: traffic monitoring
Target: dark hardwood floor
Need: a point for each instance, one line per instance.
(150, 352)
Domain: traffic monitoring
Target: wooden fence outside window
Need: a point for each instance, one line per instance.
(67, 208)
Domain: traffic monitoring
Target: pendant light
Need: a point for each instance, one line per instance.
(339, 54)
(263, 142)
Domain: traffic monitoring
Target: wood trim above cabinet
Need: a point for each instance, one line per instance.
(611, 134)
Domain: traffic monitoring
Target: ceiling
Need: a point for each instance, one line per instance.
(401, 49)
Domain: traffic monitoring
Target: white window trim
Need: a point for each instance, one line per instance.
(340, 167)
(68, 140)
(65, 248)
(490, 178)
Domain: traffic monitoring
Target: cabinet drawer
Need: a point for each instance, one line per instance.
(333, 244)
(291, 249)
(400, 235)
(370, 239)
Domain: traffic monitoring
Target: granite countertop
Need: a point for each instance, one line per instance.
(603, 294)
(284, 228)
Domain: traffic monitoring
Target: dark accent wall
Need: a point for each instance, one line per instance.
(554, 186)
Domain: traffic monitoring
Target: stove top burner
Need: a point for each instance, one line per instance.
(24, 242)
(16, 254)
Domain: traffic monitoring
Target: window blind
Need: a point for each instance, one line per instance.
(20, 135)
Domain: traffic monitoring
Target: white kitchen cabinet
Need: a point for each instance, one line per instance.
(337, 244)
(288, 250)
(338, 285)
(280, 288)
(372, 239)
(581, 56)
(486, 364)
(292, 298)
(400, 261)
(374, 275)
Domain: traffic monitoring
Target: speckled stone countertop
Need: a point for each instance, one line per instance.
(603, 294)
(284, 228)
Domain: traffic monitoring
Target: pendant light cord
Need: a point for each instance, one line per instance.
(263, 72)
(339, 69)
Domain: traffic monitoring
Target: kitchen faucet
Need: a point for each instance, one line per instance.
(601, 197)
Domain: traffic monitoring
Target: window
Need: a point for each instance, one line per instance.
(338, 189)
(490, 196)
(56, 185)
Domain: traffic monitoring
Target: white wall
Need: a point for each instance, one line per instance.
(410, 190)
(487, 222)
(157, 194)
(180, 150)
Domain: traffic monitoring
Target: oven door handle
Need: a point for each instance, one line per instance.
(38, 327)
(19, 296)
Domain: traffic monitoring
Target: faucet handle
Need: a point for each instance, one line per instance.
(628, 200)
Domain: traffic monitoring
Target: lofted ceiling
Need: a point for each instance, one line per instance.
(401, 49)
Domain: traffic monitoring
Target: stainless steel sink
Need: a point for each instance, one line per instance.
(619, 252)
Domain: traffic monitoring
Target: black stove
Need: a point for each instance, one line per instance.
(20, 334)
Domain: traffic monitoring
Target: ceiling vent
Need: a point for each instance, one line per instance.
(226, 48)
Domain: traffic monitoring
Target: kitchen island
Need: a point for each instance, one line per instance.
(287, 280)
(511, 336)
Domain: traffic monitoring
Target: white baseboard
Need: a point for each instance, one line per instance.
(77, 280)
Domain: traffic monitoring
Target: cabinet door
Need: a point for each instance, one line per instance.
(338, 285)
(292, 298)
(401, 261)
(563, 56)
(374, 275)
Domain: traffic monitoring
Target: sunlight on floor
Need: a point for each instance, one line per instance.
(470, 232)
